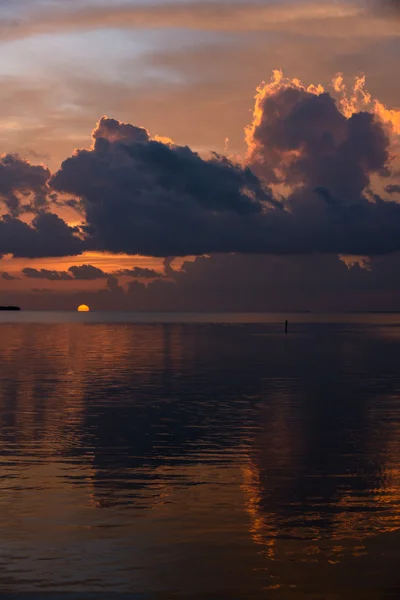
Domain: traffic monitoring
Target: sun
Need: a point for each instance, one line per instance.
(83, 308)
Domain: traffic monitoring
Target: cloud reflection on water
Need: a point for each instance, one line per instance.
(152, 452)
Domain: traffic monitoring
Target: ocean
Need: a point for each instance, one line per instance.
(188, 456)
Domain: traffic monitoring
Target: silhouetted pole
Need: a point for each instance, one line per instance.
(286, 326)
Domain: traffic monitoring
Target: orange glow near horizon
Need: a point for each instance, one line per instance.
(103, 260)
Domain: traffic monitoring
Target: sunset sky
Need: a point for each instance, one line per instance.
(300, 209)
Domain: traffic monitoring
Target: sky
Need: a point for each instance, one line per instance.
(187, 155)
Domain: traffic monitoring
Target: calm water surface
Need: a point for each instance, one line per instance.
(200, 456)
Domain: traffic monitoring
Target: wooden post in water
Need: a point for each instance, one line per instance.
(286, 326)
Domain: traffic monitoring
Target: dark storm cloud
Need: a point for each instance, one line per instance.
(87, 272)
(144, 197)
(22, 186)
(303, 139)
(24, 189)
(141, 196)
(150, 198)
(46, 274)
(47, 236)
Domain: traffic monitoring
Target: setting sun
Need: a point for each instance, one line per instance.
(83, 308)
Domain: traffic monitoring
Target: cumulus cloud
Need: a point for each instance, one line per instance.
(145, 197)
(325, 152)
(303, 139)
(141, 196)
(305, 187)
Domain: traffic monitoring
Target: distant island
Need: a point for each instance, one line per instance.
(10, 308)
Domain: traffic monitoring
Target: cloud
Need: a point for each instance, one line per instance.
(139, 273)
(22, 186)
(319, 18)
(301, 138)
(114, 131)
(168, 266)
(8, 277)
(87, 272)
(113, 286)
(46, 236)
(305, 187)
(141, 196)
(146, 197)
(50, 275)
(238, 282)
(80, 273)
(24, 189)
(325, 152)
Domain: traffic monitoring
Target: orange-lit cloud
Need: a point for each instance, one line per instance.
(364, 262)
(264, 90)
(358, 98)
(350, 101)
(122, 154)
(133, 190)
